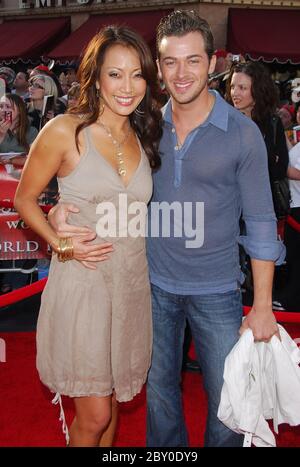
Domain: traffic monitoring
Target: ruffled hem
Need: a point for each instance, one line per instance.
(121, 396)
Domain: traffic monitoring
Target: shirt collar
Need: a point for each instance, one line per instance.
(217, 117)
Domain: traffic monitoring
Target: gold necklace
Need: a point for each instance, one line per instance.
(118, 145)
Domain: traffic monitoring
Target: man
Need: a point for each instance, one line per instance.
(21, 85)
(214, 162)
(68, 78)
(211, 154)
(70, 74)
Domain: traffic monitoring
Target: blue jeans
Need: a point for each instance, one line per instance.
(215, 320)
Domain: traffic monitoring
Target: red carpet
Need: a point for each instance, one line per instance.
(28, 418)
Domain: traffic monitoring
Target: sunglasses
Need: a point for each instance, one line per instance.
(36, 86)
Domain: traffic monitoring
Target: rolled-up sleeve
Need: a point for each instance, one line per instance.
(260, 240)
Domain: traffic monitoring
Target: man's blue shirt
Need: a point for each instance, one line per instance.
(220, 172)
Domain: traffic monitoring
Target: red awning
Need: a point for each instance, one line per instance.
(143, 22)
(264, 34)
(32, 38)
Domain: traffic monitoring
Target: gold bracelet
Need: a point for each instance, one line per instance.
(65, 249)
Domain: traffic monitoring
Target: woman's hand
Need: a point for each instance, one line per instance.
(4, 127)
(81, 236)
(88, 254)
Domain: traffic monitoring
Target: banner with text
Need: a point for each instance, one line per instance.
(18, 241)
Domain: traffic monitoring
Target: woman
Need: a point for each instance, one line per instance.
(16, 135)
(41, 86)
(94, 329)
(251, 90)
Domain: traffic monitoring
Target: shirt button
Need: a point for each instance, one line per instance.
(173, 130)
(176, 148)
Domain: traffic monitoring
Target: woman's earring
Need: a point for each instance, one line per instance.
(102, 105)
(139, 112)
(98, 93)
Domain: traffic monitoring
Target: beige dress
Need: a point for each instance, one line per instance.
(94, 331)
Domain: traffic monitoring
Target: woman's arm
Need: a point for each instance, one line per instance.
(44, 161)
(293, 173)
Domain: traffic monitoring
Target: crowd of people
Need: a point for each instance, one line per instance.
(23, 113)
(115, 307)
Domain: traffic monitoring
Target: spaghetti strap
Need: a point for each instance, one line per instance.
(87, 139)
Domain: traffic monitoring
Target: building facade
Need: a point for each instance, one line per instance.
(215, 11)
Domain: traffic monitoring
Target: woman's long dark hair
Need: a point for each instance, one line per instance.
(23, 122)
(147, 123)
(263, 90)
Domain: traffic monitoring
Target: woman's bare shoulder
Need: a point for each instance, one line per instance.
(63, 124)
(58, 132)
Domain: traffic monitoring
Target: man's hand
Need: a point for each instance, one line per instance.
(84, 252)
(261, 319)
(58, 217)
(262, 324)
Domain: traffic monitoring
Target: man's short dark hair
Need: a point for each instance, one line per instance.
(71, 67)
(181, 22)
(25, 73)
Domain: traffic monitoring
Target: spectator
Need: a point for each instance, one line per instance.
(63, 83)
(251, 90)
(8, 75)
(21, 85)
(295, 91)
(287, 117)
(16, 135)
(39, 87)
(70, 74)
(73, 95)
(44, 70)
(40, 70)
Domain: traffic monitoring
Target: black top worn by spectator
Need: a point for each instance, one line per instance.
(278, 156)
(278, 159)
